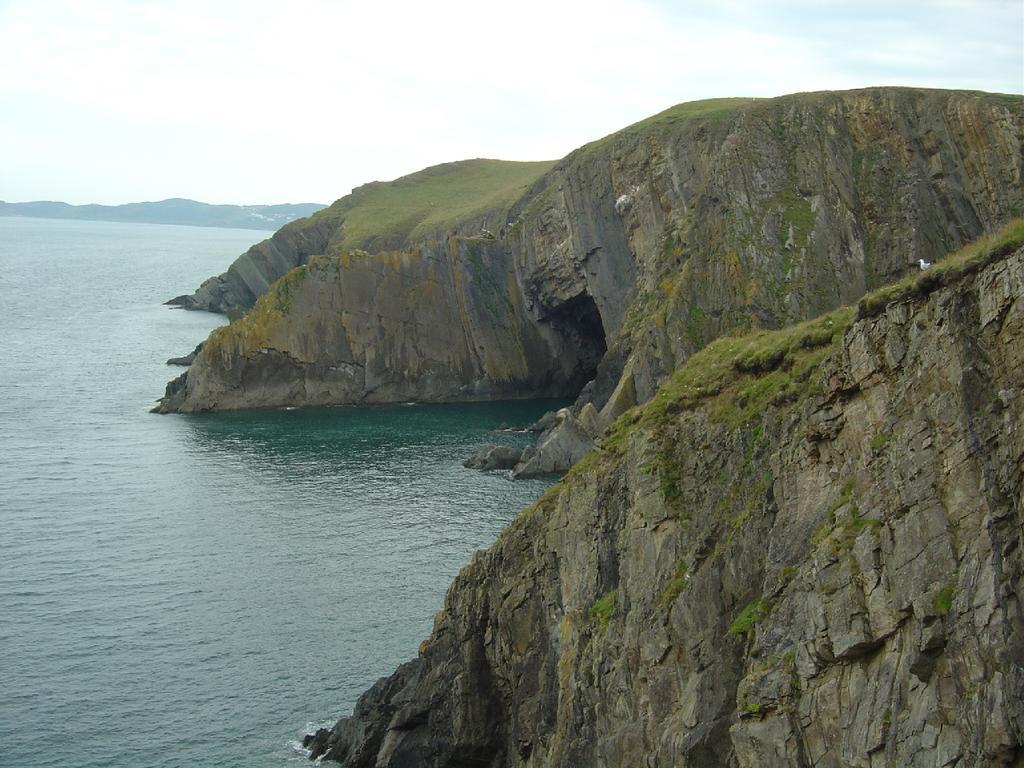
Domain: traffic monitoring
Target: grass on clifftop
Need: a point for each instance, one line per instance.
(711, 109)
(433, 200)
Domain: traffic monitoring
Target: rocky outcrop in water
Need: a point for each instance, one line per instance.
(492, 457)
(805, 550)
(186, 360)
(558, 448)
(634, 251)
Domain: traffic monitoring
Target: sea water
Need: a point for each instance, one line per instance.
(199, 590)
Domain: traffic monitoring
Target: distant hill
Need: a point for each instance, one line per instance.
(174, 211)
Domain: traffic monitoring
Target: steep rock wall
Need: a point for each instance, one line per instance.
(442, 322)
(804, 551)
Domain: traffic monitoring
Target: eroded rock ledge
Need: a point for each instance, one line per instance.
(804, 551)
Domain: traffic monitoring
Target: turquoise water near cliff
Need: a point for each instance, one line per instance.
(198, 590)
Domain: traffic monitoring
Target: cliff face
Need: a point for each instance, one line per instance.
(711, 217)
(804, 550)
(441, 322)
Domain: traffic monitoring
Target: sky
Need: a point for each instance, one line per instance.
(299, 101)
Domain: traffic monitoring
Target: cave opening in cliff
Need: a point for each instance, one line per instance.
(579, 320)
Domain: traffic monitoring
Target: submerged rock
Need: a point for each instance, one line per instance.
(544, 423)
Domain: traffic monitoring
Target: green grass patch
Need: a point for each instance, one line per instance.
(601, 611)
(880, 441)
(670, 479)
(751, 614)
(841, 501)
(842, 532)
(943, 600)
(743, 375)
(854, 523)
(695, 325)
(431, 202)
(746, 495)
(675, 585)
(285, 286)
(251, 331)
(797, 218)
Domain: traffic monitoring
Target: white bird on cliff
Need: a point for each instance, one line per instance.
(923, 264)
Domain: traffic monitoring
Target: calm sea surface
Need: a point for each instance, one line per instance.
(199, 590)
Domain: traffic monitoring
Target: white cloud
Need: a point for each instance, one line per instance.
(267, 102)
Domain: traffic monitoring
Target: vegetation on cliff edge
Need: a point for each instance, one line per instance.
(251, 331)
(969, 259)
(709, 109)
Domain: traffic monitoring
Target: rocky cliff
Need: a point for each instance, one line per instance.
(711, 217)
(804, 550)
(441, 322)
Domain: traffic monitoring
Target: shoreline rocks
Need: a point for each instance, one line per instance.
(187, 360)
(561, 446)
(491, 457)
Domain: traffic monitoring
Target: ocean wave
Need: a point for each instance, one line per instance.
(296, 746)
